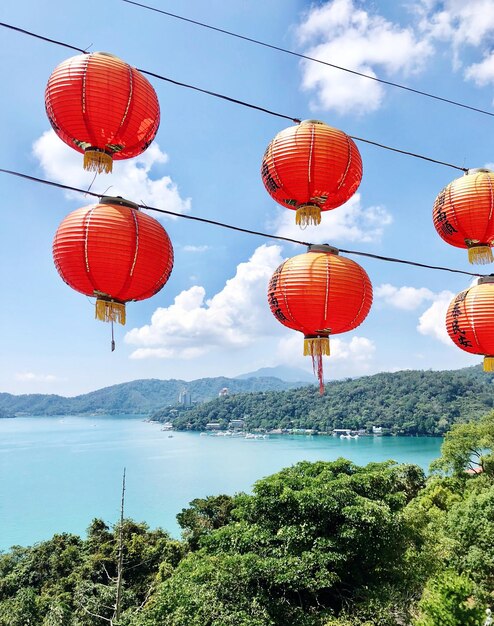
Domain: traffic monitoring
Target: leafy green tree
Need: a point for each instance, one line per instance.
(204, 515)
(448, 601)
(21, 609)
(311, 540)
(470, 526)
(468, 446)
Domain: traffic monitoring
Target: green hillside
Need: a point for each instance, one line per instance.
(138, 396)
(408, 402)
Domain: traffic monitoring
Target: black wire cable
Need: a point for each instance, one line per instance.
(242, 230)
(27, 32)
(246, 104)
(315, 60)
(218, 95)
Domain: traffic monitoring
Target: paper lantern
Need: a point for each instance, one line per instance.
(320, 293)
(463, 214)
(114, 252)
(311, 168)
(470, 320)
(103, 107)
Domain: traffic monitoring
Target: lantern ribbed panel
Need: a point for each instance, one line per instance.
(114, 251)
(320, 293)
(312, 163)
(98, 100)
(463, 212)
(470, 319)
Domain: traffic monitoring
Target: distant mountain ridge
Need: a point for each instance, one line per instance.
(283, 372)
(138, 396)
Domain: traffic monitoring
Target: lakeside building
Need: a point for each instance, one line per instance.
(185, 398)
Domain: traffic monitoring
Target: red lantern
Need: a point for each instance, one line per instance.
(463, 214)
(114, 252)
(320, 293)
(100, 105)
(470, 320)
(311, 168)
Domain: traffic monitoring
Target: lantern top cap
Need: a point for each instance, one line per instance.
(313, 122)
(479, 170)
(106, 54)
(323, 247)
(119, 201)
(485, 279)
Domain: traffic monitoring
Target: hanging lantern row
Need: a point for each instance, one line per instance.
(113, 252)
(103, 107)
(320, 293)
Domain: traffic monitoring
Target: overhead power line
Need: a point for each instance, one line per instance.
(314, 59)
(55, 41)
(241, 230)
(243, 103)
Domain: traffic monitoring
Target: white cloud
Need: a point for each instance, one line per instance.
(130, 179)
(235, 317)
(358, 349)
(349, 222)
(407, 298)
(39, 378)
(351, 357)
(482, 73)
(462, 24)
(196, 248)
(432, 321)
(458, 21)
(342, 34)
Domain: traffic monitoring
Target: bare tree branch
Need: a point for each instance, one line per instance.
(86, 610)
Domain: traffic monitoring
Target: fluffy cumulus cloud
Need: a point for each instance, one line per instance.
(482, 73)
(350, 357)
(462, 24)
(131, 179)
(350, 222)
(432, 321)
(341, 33)
(234, 318)
(406, 298)
(457, 21)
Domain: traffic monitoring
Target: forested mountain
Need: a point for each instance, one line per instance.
(408, 402)
(138, 396)
(316, 544)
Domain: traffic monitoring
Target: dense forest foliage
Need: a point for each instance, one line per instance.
(408, 403)
(317, 544)
(136, 397)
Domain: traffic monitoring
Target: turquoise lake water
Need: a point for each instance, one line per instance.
(57, 474)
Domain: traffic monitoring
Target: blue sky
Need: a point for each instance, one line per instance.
(212, 317)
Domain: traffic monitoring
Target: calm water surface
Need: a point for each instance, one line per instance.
(56, 474)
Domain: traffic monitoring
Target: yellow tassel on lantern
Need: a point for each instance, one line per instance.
(316, 346)
(308, 214)
(480, 255)
(489, 364)
(110, 311)
(97, 161)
